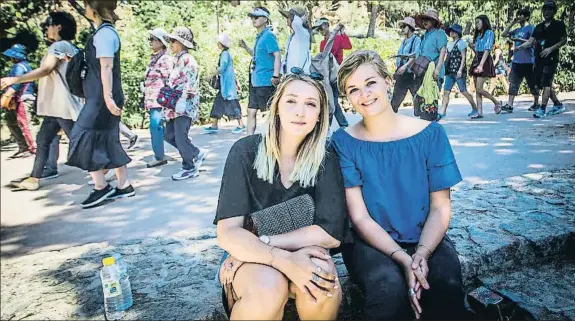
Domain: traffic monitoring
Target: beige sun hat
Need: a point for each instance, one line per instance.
(224, 39)
(160, 34)
(409, 21)
(430, 13)
(184, 35)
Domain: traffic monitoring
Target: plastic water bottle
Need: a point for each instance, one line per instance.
(113, 298)
(124, 281)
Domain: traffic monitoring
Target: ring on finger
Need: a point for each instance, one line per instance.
(315, 278)
(411, 292)
(318, 270)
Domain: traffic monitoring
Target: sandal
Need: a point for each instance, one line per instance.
(477, 116)
(497, 108)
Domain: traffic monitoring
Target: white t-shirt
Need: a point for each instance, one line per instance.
(461, 44)
(297, 48)
(54, 98)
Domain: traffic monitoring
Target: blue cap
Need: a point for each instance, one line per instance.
(17, 51)
(455, 27)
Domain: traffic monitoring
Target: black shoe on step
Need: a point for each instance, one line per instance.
(507, 108)
(98, 196)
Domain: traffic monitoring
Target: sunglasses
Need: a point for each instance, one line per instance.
(314, 75)
(153, 39)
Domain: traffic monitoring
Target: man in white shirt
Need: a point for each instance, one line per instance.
(297, 52)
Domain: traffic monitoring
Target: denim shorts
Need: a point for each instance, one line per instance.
(450, 81)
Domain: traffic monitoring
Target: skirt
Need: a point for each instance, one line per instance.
(222, 107)
(488, 67)
(95, 140)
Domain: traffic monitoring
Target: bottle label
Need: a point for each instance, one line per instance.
(112, 289)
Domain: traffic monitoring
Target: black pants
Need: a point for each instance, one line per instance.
(383, 283)
(518, 72)
(46, 135)
(176, 134)
(338, 112)
(403, 83)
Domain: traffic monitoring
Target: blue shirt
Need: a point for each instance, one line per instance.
(227, 76)
(485, 41)
(431, 44)
(408, 46)
(263, 69)
(19, 69)
(107, 42)
(526, 55)
(397, 177)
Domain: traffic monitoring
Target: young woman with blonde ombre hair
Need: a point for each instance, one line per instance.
(290, 159)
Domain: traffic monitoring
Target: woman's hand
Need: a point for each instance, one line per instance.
(7, 82)
(436, 74)
(413, 278)
(420, 258)
(479, 69)
(112, 107)
(459, 74)
(229, 269)
(402, 70)
(307, 276)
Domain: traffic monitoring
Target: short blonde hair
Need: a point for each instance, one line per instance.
(354, 61)
(311, 151)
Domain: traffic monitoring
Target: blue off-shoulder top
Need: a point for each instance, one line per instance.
(397, 177)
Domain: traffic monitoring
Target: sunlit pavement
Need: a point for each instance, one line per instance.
(497, 146)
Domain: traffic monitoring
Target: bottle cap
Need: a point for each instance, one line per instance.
(108, 261)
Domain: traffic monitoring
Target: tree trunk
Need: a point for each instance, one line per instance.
(372, 20)
(572, 17)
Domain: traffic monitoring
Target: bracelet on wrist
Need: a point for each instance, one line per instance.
(425, 247)
(398, 250)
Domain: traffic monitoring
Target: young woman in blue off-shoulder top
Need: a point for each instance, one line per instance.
(397, 173)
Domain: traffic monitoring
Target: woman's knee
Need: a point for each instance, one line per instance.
(269, 289)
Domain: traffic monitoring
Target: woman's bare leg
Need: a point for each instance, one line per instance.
(122, 176)
(99, 179)
(482, 92)
(262, 292)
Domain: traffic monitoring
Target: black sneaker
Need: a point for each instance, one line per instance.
(17, 154)
(534, 107)
(98, 196)
(46, 174)
(507, 108)
(133, 142)
(122, 193)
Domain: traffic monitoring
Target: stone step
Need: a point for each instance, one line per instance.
(496, 227)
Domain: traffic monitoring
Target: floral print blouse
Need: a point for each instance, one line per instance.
(185, 77)
(159, 68)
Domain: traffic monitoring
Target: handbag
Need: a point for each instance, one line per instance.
(215, 82)
(9, 102)
(420, 66)
(168, 97)
(284, 217)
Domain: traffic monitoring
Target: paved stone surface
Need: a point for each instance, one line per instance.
(50, 219)
(497, 227)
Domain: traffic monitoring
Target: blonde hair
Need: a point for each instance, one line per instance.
(311, 152)
(104, 8)
(354, 61)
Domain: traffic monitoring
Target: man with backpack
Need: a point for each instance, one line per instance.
(404, 78)
(54, 102)
(455, 69)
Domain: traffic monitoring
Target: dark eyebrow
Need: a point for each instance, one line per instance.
(349, 87)
(294, 95)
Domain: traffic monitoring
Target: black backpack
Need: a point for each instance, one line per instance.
(453, 60)
(76, 72)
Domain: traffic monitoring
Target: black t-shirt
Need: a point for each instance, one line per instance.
(242, 192)
(546, 37)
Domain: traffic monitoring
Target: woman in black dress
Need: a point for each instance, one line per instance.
(95, 142)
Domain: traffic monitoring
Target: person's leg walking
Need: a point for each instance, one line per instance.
(252, 121)
(157, 133)
(23, 123)
(48, 131)
(126, 131)
(187, 150)
(53, 155)
(399, 91)
(16, 132)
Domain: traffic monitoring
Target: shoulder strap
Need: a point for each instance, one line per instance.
(411, 47)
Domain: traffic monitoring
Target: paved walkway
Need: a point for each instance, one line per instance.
(51, 219)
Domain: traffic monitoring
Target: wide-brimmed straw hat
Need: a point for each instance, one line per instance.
(183, 35)
(430, 14)
(160, 34)
(407, 21)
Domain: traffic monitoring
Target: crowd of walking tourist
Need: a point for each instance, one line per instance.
(293, 195)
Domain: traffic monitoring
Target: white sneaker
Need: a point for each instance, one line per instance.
(110, 176)
(185, 174)
(200, 158)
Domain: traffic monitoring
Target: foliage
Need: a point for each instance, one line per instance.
(207, 18)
